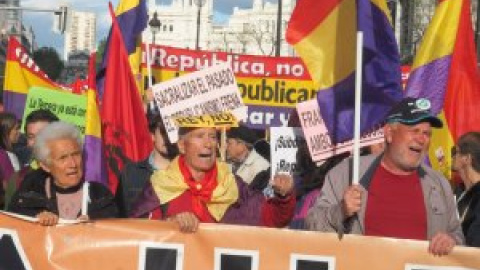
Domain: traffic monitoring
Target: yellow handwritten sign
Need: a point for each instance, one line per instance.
(223, 119)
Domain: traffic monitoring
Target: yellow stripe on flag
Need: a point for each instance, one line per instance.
(126, 5)
(92, 123)
(19, 79)
(329, 50)
(445, 21)
(440, 146)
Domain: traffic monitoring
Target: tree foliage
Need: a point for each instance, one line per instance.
(48, 59)
(100, 51)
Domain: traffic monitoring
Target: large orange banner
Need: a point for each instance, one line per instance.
(144, 244)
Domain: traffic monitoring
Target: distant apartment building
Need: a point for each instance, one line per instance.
(251, 30)
(80, 33)
(11, 25)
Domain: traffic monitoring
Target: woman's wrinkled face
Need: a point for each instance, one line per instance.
(64, 162)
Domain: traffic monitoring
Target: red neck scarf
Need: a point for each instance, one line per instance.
(201, 190)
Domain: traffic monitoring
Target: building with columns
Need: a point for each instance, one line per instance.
(178, 23)
(250, 31)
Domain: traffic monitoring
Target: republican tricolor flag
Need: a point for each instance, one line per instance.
(132, 18)
(21, 73)
(323, 32)
(445, 71)
(124, 125)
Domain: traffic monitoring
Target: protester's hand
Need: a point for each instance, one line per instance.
(83, 218)
(282, 184)
(187, 222)
(148, 96)
(352, 200)
(441, 244)
(46, 218)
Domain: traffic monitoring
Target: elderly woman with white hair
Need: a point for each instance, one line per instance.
(63, 193)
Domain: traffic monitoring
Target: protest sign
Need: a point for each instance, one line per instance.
(67, 106)
(223, 119)
(269, 86)
(284, 144)
(209, 91)
(317, 137)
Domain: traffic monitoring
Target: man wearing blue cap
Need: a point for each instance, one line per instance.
(397, 196)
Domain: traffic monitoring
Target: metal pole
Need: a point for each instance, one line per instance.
(279, 29)
(197, 42)
(31, 9)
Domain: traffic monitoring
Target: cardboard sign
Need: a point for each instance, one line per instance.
(317, 137)
(209, 91)
(284, 143)
(68, 107)
(223, 119)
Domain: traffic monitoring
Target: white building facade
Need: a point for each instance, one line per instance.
(248, 31)
(80, 33)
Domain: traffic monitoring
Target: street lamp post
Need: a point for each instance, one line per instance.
(199, 4)
(155, 25)
(279, 29)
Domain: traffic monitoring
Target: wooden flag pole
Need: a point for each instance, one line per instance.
(223, 145)
(151, 104)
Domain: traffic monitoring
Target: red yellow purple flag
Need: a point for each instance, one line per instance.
(324, 35)
(132, 18)
(445, 71)
(21, 73)
(94, 160)
(124, 125)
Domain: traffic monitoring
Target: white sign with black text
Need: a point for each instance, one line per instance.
(208, 91)
(284, 143)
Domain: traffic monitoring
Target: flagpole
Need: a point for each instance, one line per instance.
(358, 104)
(151, 104)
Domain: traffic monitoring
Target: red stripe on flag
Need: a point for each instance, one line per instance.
(125, 130)
(463, 90)
(307, 15)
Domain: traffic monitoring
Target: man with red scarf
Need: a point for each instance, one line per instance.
(196, 187)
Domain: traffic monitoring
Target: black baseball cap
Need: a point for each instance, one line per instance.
(242, 133)
(411, 111)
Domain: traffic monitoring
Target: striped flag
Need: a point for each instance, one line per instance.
(94, 160)
(324, 35)
(21, 73)
(445, 71)
(124, 125)
(132, 18)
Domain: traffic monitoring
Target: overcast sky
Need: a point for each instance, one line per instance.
(42, 23)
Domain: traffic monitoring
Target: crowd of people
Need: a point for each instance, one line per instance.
(398, 194)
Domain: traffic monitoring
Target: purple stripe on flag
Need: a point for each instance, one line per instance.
(94, 160)
(381, 80)
(338, 105)
(14, 102)
(430, 81)
(132, 23)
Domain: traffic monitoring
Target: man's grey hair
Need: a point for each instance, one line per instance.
(52, 132)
